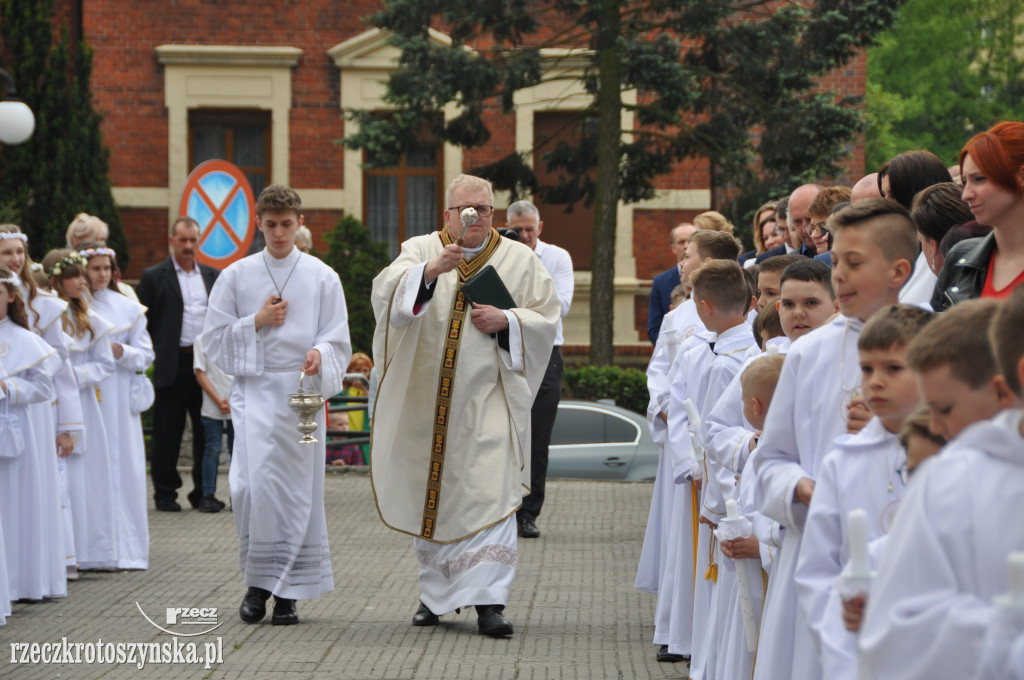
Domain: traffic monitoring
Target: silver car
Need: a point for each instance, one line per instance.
(595, 440)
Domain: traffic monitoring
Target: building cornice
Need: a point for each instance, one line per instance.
(228, 55)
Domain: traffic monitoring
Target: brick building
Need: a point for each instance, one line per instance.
(263, 84)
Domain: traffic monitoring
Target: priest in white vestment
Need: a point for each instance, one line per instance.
(272, 317)
(450, 451)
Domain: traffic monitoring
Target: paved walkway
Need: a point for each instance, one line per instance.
(573, 606)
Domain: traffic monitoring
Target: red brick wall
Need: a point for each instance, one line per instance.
(651, 234)
(128, 86)
(321, 223)
(146, 231)
(128, 81)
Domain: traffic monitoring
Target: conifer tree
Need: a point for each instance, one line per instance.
(352, 252)
(63, 168)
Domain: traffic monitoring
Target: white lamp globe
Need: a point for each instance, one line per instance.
(16, 122)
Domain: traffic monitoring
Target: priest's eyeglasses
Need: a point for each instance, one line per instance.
(481, 210)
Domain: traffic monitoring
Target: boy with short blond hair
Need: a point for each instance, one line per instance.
(758, 383)
(956, 370)
(875, 243)
(862, 472)
(946, 559)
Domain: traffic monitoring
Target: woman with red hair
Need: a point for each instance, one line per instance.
(992, 172)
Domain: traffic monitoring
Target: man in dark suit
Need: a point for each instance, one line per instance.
(175, 293)
(665, 282)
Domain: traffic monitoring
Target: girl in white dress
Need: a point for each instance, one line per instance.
(27, 365)
(133, 353)
(91, 474)
(63, 422)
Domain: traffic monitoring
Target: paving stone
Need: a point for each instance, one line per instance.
(573, 606)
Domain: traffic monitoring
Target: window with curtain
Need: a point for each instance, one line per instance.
(241, 137)
(403, 201)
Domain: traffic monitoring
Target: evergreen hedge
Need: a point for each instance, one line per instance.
(626, 386)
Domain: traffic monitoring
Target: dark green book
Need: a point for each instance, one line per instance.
(486, 288)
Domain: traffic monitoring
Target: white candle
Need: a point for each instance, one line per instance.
(857, 524)
(732, 510)
(693, 414)
(1015, 575)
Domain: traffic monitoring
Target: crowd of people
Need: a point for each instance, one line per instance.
(75, 346)
(73, 349)
(796, 389)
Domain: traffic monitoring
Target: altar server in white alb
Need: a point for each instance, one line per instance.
(451, 432)
(133, 353)
(27, 365)
(673, 619)
(861, 473)
(274, 316)
(933, 611)
(874, 246)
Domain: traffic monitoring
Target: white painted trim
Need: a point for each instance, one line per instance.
(141, 197)
(322, 199)
(677, 199)
(216, 76)
(228, 55)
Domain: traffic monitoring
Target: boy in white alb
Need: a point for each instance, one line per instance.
(722, 297)
(875, 242)
(274, 317)
(862, 472)
(807, 301)
(652, 555)
(674, 612)
(931, 604)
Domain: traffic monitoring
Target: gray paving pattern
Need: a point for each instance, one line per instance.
(575, 612)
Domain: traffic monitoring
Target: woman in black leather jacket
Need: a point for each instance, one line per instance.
(992, 170)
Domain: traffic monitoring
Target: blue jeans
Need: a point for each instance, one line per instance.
(212, 431)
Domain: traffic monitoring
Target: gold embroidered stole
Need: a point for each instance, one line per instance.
(446, 378)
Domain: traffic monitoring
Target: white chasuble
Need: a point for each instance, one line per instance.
(277, 484)
(29, 506)
(450, 449)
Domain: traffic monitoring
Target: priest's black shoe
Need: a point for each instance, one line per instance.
(254, 605)
(210, 504)
(425, 617)
(285, 613)
(195, 497)
(491, 621)
(528, 528)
